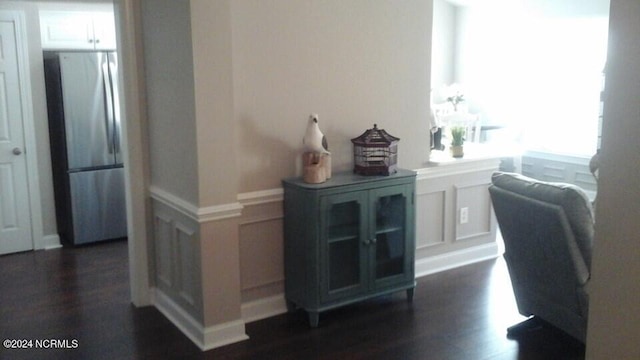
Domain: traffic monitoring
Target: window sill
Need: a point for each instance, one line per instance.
(473, 152)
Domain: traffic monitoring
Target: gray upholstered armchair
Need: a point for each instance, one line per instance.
(548, 233)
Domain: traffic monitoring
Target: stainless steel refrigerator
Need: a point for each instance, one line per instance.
(84, 131)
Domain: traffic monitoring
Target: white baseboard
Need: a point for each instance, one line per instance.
(454, 259)
(50, 242)
(205, 338)
(224, 334)
(264, 308)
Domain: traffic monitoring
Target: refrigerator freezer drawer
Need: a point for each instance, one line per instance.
(98, 205)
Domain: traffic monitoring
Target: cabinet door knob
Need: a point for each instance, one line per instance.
(366, 242)
(16, 151)
(374, 240)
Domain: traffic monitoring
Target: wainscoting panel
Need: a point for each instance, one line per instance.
(186, 269)
(475, 198)
(559, 168)
(442, 242)
(553, 172)
(163, 251)
(177, 257)
(430, 219)
(585, 180)
(182, 254)
(261, 245)
(261, 256)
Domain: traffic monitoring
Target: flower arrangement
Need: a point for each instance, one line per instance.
(456, 99)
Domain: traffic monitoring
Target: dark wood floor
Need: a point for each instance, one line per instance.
(83, 294)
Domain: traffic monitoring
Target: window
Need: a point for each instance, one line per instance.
(534, 67)
(561, 92)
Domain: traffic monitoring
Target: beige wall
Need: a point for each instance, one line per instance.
(212, 57)
(188, 68)
(262, 68)
(355, 63)
(168, 63)
(614, 318)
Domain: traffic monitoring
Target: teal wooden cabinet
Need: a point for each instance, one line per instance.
(348, 239)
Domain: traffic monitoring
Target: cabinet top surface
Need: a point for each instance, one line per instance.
(347, 178)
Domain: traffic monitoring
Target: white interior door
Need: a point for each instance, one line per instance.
(15, 220)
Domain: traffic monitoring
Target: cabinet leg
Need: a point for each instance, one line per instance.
(314, 318)
(410, 295)
(291, 306)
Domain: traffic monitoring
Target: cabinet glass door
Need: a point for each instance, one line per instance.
(390, 259)
(342, 255)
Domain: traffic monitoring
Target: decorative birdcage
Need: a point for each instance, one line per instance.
(375, 152)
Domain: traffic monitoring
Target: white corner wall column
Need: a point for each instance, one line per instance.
(193, 253)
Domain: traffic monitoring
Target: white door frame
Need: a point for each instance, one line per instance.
(135, 148)
(33, 182)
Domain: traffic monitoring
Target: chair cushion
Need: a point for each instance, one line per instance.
(571, 198)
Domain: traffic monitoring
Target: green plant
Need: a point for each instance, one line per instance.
(457, 135)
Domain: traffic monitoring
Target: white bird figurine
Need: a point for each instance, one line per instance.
(314, 140)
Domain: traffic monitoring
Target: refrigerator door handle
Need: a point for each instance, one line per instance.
(106, 80)
(113, 80)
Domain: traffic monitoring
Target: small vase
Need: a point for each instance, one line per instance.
(457, 151)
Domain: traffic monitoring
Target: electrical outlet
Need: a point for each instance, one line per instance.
(464, 215)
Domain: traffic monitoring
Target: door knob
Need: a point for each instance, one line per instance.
(17, 151)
